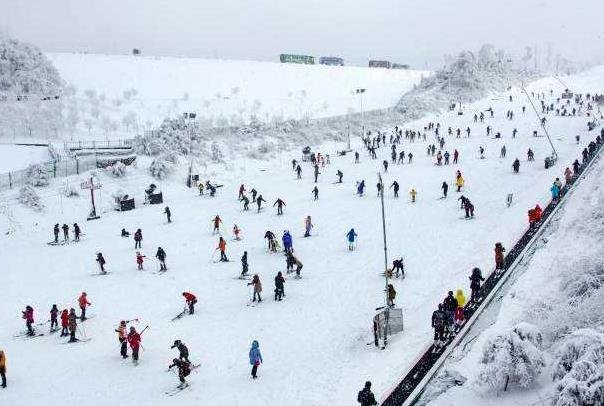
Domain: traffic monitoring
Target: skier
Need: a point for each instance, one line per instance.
(287, 241)
(502, 152)
(257, 288)
(315, 193)
(83, 302)
(438, 323)
(64, 323)
(360, 188)
(73, 325)
(366, 397)
(138, 238)
(385, 163)
(139, 260)
(270, 236)
(455, 156)
(516, 165)
(222, 248)
(168, 214)
(396, 187)
(236, 232)
(134, 339)
(391, 295)
(307, 226)
(459, 181)
(76, 231)
(190, 301)
(413, 193)
(475, 279)
(246, 203)
(291, 261)
(259, 201)
(398, 267)
(55, 231)
(161, 256)
(299, 172)
(499, 250)
(184, 370)
(65, 232)
(244, 265)
(54, 323)
(3, 368)
(216, 221)
(279, 289)
(279, 203)
(530, 155)
(254, 193)
(183, 351)
(241, 191)
(445, 188)
(339, 174)
(255, 358)
(122, 337)
(316, 172)
(356, 157)
(351, 237)
(28, 316)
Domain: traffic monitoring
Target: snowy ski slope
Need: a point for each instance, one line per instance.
(314, 343)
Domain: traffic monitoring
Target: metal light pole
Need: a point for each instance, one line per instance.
(387, 308)
(554, 153)
(361, 91)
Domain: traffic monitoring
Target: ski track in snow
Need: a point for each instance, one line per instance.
(314, 341)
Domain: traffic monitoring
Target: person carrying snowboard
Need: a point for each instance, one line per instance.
(138, 238)
(279, 286)
(28, 316)
(222, 248)
(216, 221)
(257, 288)
(76, 231)
(279, 203)
(255, 358)
(161, 257)
(307, 226)
(184, 370)
(244, 265)
(190, 300)
(183, 351)
(351, 237)
(83, 302)
(54, 318)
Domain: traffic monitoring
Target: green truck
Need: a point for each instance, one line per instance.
(290, 58)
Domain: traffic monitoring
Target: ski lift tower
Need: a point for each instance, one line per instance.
(360, 92)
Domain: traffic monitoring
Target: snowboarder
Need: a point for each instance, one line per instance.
(339, 174)
(307, 226)
(287, 241)
(134, 339)
(516, 165)
(257, 288)
(259, 201)
(499, 250)
(315, 193)
(445, 188)
(412, 193)
(64, 323)
(351, 237)
(184, 370)
(475, 283)
(168, 214)
(122, 337)
(279, 289)
(299, 172)
(55, 231)
(279, 203)
(76, 231)
(244, 265)
(183, 351)
(54, 321)
(255, 358)
(391, 295)
(28, 316)
(222, 248)
(190, 301)
(73, 325)
(139, 260)
(161, 257)
(395, 187)
(216, 221)
(366, 397)
(83, 302)
(65, 232)
(138, 238)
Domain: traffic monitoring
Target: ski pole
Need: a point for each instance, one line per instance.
(146, 327)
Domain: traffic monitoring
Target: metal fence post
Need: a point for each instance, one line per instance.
(77, 166)
(54, 168)
(10, 180)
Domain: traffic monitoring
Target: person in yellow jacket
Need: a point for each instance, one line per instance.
(459, 182)
(413, 193)
(3, 368)
(461, 299)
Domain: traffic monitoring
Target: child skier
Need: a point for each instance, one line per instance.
(236, 232)
(183, 351)
(244, 265)
(64, 323)
(216, 221)
(101, 261)
(279, 286)
(161, 256)
(28, 316)
(54, 323)
(413, 193)
(190, 300)
(122, 337)
(184, 370)
(222, 248)
(307, 226)
(134, 339)
(257, 288)
(255, 358)
(351, 237)
(83, 302)
(139, 260)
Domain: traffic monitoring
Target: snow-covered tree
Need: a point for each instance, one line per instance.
(117, 170)
(160, 168)
(69, 189)
(512, 357)
(30, 198)
(216, 153)
(36, 175)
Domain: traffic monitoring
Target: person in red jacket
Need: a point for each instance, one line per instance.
(28, 316)
(531, 217)
(139, 260)
(222, 248)
(134, 339)
(83, 302)
(64, 323)
(499, 250)
(190, 300)
(537, 210)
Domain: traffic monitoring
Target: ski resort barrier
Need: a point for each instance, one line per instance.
(409, 389)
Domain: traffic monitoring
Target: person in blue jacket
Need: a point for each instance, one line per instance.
(255, 358)
(555, 189)
(351, 236)
(287, 241)
(360, 188)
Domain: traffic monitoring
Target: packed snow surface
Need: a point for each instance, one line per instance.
(15, 157)
(314, 342)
